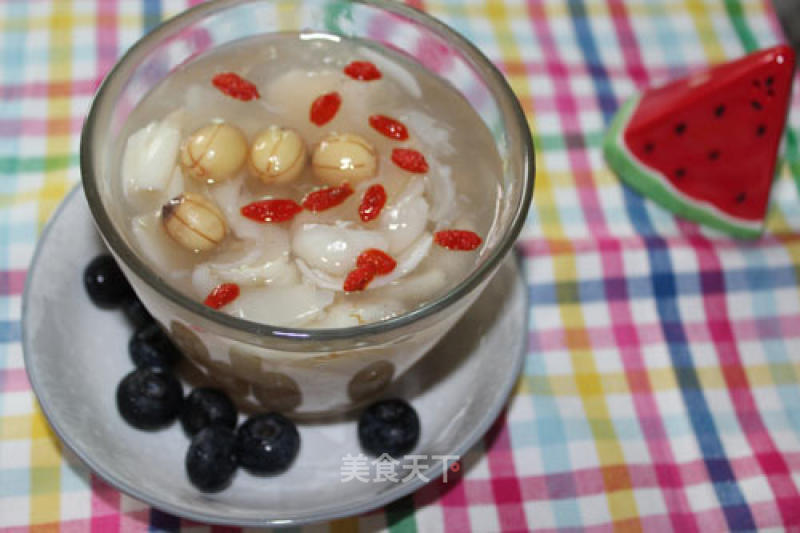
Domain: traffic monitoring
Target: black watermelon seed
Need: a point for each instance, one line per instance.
(680, 128)
(719, 111)
(762, 129)
(713, 155)
(769, 81)
(741, 197)
(756, 105)
(681, 172)
(649, 147)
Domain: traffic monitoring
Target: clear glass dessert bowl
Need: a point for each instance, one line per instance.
(304, 372)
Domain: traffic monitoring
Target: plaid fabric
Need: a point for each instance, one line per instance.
(660, 391)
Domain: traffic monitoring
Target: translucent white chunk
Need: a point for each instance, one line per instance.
(143, 200)
(277, 271)
(229, 198)
(407, 262)
(394, 181)
(202, 280)
(358, 96)
(404, 222)
(458, 263)
(417, 287)
(294, 305)
(150, 155)
(253, 262)
(238, 254)
(167, 257)
(206, 102)
(442, 192)
(319, 278)
(296, 90)
(334, 249)
(423, 125)
(175, 186)
(374, 310)
(338, 316)
(349, 314)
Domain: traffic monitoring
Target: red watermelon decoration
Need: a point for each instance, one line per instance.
(705, 146)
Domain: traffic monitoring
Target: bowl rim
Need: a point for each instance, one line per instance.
(491, 75)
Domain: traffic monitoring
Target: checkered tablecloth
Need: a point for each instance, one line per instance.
(661, 389)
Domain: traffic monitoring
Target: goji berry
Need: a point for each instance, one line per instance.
(362, 71)
(371, 204)
(222, 295)
(235, 86)
(324, 108)
(456, 239)
(326, 198)
(359, 278)
(409, 160)
(383, 262)
(394, 129)
(273, 210)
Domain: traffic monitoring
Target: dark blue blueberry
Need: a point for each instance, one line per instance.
(149, 398)
(150, 347)
(211, 459)
(136, 312)
(267, 443)
(105, 283)
(206, 407)
(389, 426)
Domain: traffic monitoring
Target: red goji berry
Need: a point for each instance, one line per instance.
(457, 239)
(324, 108)
(222, 295)
(383, 262)
(409, 160)
(235, 86)
(394, 129)
(359, 278)
(326, 198)
(371, 204)
(362, 71)
(274, 210)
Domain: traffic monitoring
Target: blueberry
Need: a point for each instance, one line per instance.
(136, 312)
(150, 347)
(211, 459)
(389, 426)
(105, 282)
(149, 398)
(267, 443)
(205, 407)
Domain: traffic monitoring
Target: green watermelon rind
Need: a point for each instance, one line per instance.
(655, 186)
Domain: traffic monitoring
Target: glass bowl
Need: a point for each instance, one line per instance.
(304, 373)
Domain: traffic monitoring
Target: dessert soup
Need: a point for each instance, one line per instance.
(308, 181)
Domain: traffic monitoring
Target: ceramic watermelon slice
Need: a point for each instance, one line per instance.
(705, 146)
